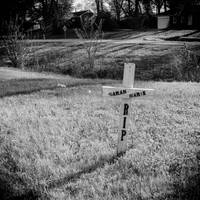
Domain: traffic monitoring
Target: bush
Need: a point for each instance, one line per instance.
(16, 46)
(187, 65)
(92, 32)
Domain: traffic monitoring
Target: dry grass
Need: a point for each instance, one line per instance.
(60, 144)
(154, 61)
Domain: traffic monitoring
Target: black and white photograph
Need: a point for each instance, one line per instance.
(100, 100)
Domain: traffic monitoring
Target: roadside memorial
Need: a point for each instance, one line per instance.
(126, 93)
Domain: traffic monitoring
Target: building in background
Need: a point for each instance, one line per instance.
(78, 17)
(187, 16)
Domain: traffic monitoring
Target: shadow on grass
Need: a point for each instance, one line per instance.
(186, 179)
(183, 37)
(28, 86)
(87, 169)
(190, 190)
(25, 86)
(13, 187)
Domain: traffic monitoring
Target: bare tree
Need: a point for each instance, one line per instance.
(158, 4)
(17, 48)
(92, 33)
(117, 7)
(99, 6)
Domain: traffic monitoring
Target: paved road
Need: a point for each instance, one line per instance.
(12, 73)
(144, 41)
(156, 37)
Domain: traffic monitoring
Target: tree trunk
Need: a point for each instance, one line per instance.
(158, 9)
(147, 6)
(165, 5)
(136, 7)
(129, 7)
(101, 3)
(97, 6)
(117, 9)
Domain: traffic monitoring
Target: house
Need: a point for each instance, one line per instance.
(191, 14)
(32, 28)
(187, 16)
(78, 18)
(163, 20)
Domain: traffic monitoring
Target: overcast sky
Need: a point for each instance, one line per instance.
(78, 2)
(85, 5)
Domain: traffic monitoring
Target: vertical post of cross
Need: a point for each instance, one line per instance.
(126, 92)
(128, 81)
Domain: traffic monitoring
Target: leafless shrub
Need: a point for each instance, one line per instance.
(16, 46)
(187, 65)
(92, 33)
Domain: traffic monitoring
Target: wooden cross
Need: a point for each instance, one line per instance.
(126, 92)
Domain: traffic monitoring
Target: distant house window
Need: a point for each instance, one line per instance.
(190, 20)
(36, 26)
(182, 19)
(174, 20)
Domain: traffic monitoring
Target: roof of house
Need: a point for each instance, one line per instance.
(196, 3)
(78, 14)
(188, 7)
(167, 13)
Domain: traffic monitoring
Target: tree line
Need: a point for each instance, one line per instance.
(50, 14)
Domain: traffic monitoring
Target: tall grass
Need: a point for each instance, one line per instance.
(153, 63)
(92, 33)
(15, 44)
(59, 144)
(187, 65)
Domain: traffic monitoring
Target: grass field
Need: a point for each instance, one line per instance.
(58, 135)
(155, 61)
(61, 144)
(156, 58)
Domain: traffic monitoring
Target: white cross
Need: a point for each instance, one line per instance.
(126, 92)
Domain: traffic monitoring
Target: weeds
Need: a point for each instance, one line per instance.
(70, 60)
(16, 46)
(92, 33)
(187, 65)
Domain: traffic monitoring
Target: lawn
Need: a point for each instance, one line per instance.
(155, 60)
(58, 135)
(61, 144)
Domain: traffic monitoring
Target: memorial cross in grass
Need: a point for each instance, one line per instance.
(126, 92)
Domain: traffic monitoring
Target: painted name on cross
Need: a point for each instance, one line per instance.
(121, 92)
(115, 93)
(138, 94)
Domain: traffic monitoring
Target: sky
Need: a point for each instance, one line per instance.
(82, 5)
(85, 5)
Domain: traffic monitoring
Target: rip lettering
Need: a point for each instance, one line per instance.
(124, 123)
(126, 107)
(123, 134)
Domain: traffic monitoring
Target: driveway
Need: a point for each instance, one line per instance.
(159, 37)
(12, 73)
